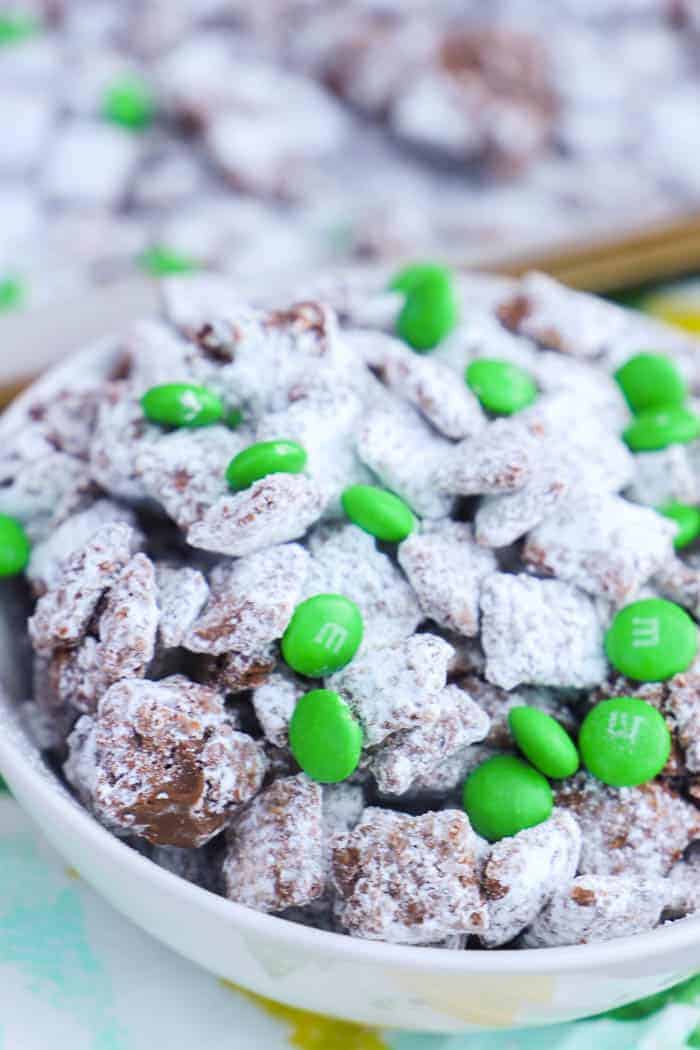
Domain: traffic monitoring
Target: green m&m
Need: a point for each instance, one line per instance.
(14, 546)
(266, 457)
(323, 635)
(14, 28)
(431, 309)
(234, 418)
(161, 261)
(543, 741)
(651, 640)
(12, 293)
(378, 512)
(502, 387)
(504, 795)
(624, 741)
(650, 381)
(129, 101)
(324, 737)
(182, 405)
(687, 519)
(657, 428)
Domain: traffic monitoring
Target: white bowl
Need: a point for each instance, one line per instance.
(382, 984)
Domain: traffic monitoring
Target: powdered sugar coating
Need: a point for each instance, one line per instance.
(254, 605)
(667, 476)
(186, 471)
(77, 675)
(182, 593)
(160, 760)
(67, 420)
(62, 614)
(430, 386)
(274, 702)
(502, 458)
(408, 880)
(239, 672)
(524, 871)
(540, 632)
(682, 888)
(679, 581)
(275, 852)
(445, 568)
(604, 544)
(635, 831)
(498, 703)
(391, 442)
(597, 908)
(406, 757)
(502, 519)
(121, 433)
(395, 687)
(560, 319)
(35, 479)
(345, 560)
(129, 621)
(44, 567)
(276, 509)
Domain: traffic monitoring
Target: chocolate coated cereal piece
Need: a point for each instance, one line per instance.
(395, 687)
(129, 621)
(122, 432)
(67, 420)
(430, 387)
(603, 543)
(683, 888)
(445, 568)
(406, 757)
(71, 535)
(35, 478)
(345, 560)
(77, 675)
(682, 704)
(274, 702)
(62, 615)
(502, 458)
(560, 319)
(161, 760)
(666, 476)
(635, 831)
(276, 509)
(540, 632)
(254, 605)
(182, 593)
(391, 443)
(597, 908)
(186, 471)
(524, 871)
(502, 519)
(679, 581)
(275, 850)
(239, 672)
(408, 880)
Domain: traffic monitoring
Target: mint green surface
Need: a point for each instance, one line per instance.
(182, 405)
(502, 387)
(504, 795)
(378, 512)
(431, 309)
(624, 741)
(263, 458)
(650, 380)
(323, 635)
(543, 741)
(651, 640)
(16, 26)
(161, 261)
(129, 102)
(12, 293)
(688, 520)
(14, 546)
(657, 428)
(324, 737)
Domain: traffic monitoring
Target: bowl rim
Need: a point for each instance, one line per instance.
(664, 940)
